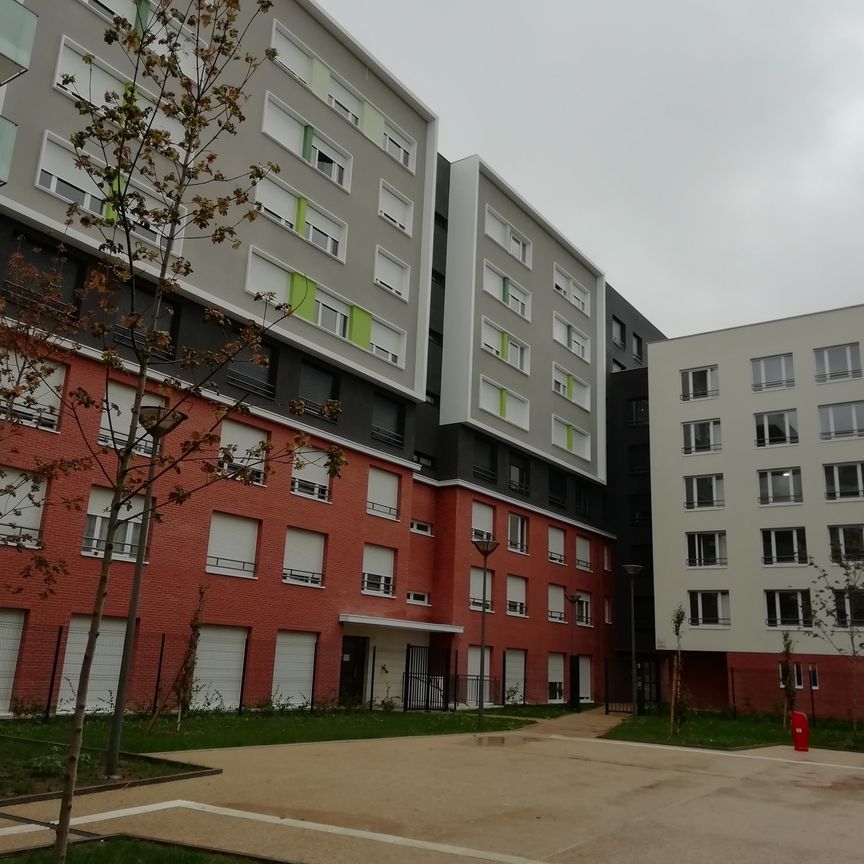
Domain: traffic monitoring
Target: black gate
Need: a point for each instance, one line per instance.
(619, 684)
(426, 682)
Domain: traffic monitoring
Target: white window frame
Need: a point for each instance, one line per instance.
(512, 234)
(576, 341)
(335, 243)
(799, 544)
(802, 622)
(828, 421)
(833, 468)
(506, 417)
(127, 535)
(511, 294)
(852, 351)
(418, 598)
(38, 406)
(517, 533)
(583, 552)
(482, 515)
(21, 509)
(837, 543)
(313, 578)
(790, 419)
(723, 616)
(758, 373)
(701, 560)
(379, 584)
(516, 607)
(688, 429)
(583, 435)
(477, 575)
(418, 526)
(311, 488)
(402, 290)
(377, 480)
(689, 392)
(556, 599)
(572, 289)
(772, 500)
(398, 145)
(556, 545)
(582, 610)
(692, 500)
(339, 101)
(336, 307)
(298, 45)
(390, 218)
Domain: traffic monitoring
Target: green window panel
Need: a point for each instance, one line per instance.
(505, 344)
(142, 16)
(110, 212)
(360, 327)
(308, 133)
(372, 123)
(319, 81)
(300, 221)
(502, 402)
(570, 438)
(570, 387)
(506, 292)
(301, 296)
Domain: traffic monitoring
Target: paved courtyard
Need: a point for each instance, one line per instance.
(540, 794)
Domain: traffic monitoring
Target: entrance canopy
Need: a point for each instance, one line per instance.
(400, 624)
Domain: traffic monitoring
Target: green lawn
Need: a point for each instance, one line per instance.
(126, 850)
(539, 712)
(206, 731)
(721, 731)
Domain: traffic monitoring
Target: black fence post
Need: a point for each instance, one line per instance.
(812, 699)
(732, 688)
(455, 682)
(314, 677)
(372, 681)
(574, 682)
(158, 675)
(243, 674)
(606, 683)
(47, 716)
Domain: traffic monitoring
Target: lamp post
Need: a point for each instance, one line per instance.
(575, 683)
(633, 570)
(485, 546)
(157, 421)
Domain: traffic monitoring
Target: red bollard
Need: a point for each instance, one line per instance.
(800, 731)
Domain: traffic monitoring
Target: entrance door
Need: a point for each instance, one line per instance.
(514, 676)
(352, 677)
(11, 625)
(584, 679)
(472, 689)
(105, 669)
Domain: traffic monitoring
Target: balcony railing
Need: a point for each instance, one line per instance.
(710, 621)
(786, 621)
(702, 394)
(518, 486)
(250, 384)
(556, 557)
(790, 558)
(19, 535)
(95, 546)
(388, 436)
(310, 489)
(772, 385)
(555, 615)
(17, 31)
(37, 416)
(841, 375)
(302, 577)
(793, 498)
(486, 474)
(233, 565)
(706, 561)
(516, 607)
(477, 603)
(374, 583)
(516, 546)
(382, 509)
(126, 336)
(704, 502)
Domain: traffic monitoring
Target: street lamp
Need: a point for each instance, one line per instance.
(485, 546)
(633, 570)
(157, 421)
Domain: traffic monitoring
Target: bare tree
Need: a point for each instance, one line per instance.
(679, 616)
(787, 677)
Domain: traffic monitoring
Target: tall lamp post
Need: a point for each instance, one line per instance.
(633, 570)
(157, 421)
(485, 546)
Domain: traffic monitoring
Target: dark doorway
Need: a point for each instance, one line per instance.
(352, 676)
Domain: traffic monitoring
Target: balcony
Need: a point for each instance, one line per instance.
(17, 30)
(7, 145)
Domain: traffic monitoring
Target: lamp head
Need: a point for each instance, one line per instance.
(485, 546)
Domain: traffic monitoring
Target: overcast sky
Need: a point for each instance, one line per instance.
(708, 155)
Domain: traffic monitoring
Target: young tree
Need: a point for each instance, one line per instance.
(676, 714)
(150, 155)
(838, 615)
(787, 677)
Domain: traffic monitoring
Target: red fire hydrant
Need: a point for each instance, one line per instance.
(800, 731)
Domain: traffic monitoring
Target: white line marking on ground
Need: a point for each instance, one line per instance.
(390, 839)
(705, 752)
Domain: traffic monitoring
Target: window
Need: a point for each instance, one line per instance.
(583, 609)
(311, 476)
(776, 427)
(30, 390)
(699, 383)
(838, 362)
(480, 587)
(317, 388)
(703, 491)
(504, 403)
(571, 387)
(845, 480)
(253, 371)
(378, 571)
(329, 161)
(242, 451)
(127, 534)
(277, 202)
(814, 676)
(21, 502)
(504, 289)
(291, 56)
(709, 608)
(391, 273)
(780, 486)
(788, 609)
(701, 436)
(385, 342)
(517, 533)
(516, 596)
(331, 314)
(772, 373)
(343, 101)
(232, 545)
(519, 473)
(844, 420)
(797, 675)
(58, 174)
(557, 488)
(485, 460)
(555, 677)
(419, 527)
(482, 519)
(706, 549)
(303, 562)
(573, 339)
(395, 208)
(784, 546)
(638, 348)
(607, 558)
(388, 421)
(618, 367)
(619, 333)
(847, 543)
(502, 344)
(638, 412)
(325, 232)
(607, 610)
(419, 598)
(849, 607)
(556, 545)
(398, 145)
(571, 438)
(556, 603)
(571, 289)
(116, 415)
(382, 496)
(583, 553)
(507, 236)
(583, 499)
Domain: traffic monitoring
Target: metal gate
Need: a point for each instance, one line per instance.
(619, 684)
(425, 684)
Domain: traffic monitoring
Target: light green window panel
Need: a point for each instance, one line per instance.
(308, 135)
(502, 402)
(319, 81)
(570, 438)
(570, 388)
(300, 221)
(360, 327)
(505, 282)
(301, 296)
(505, 344)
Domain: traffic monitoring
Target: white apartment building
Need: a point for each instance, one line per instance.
(757, 462)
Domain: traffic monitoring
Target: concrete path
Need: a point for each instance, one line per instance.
(541, 794)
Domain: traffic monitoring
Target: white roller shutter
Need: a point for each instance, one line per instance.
(11, 626)
(556, 603)
(292, 56)
(556, 677)
(265, 277)
(383, 492)
(514, 676)
(561, 331)
(490, 396)
(516, 594)
(584, 679)
(219, 668)
(556, 544)
(476, 588)
(391, 274)
(105, 669)
(395, 208)
(284, 127)
(583, 552)
(496, 228)
(378, 560)
(482, 516)
(340, 93)
(92, 82)
(243, 439)
(312, 478)
(386, 340)
(304, 556)
(294, 669)
(123, 8)
(324, 223)
(232, 545)
(277, 199)
(114, 423)
(493, 282)
(20, 507)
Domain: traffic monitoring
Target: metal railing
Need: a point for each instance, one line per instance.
(375, 583)
(771, 385)
(822, 377)
(516, 546)
(555, 615)
(557, 557)
(516, 607)
(805, 621)
(388, 436)
(710, 621)
(791, 558)
(707, 561)
(310, 489)
(702, 394)
(250, 384)
(382, 509)
(468, 689)
(95, 546)
(302, 577)
(235, 565)
(477, 603)
(794, 498)
(486, 474)
(12, 534)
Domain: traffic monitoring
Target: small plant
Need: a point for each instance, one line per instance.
(387, 702)
(787, 677)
